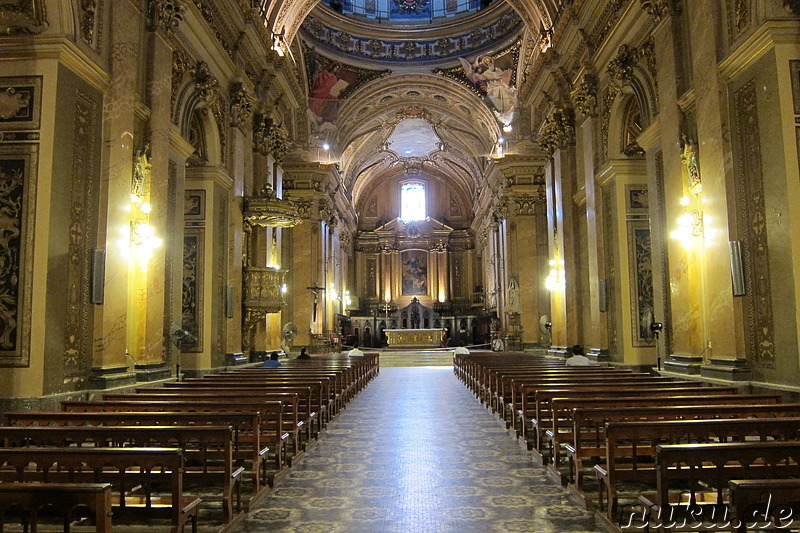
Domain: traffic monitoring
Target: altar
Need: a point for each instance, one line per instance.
(415, 338)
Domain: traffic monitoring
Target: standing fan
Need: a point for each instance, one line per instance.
(545, 327)
(289, 333)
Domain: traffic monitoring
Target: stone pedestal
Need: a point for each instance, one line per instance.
(111, 377)
(151, 372)
(727, 369)
(684, 364)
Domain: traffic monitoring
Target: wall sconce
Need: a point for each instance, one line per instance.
(555, 279)
(690, 224)
(346, 299)
(141, 235)
(499, 148)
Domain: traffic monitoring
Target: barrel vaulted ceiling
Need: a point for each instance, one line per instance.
(417, 74)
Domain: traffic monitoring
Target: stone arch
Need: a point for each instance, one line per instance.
(196, 107)
(631, 95)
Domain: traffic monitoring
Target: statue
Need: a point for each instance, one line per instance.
(512, 297)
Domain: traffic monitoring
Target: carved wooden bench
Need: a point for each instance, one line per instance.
(69, 501)
(208, 451)
(271, 434)
(247, 448)
(630, 447)
(147, 482)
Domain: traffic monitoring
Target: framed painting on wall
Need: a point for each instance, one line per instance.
(415, 272)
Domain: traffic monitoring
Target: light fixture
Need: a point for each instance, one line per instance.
(690, 224)
(326, 146)
(139, 236)
(283, 289)
(555, 279)
(279, 44)
(507, 128)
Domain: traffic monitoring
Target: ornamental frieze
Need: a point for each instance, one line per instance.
(435, 48)
(621, 68)
(525, 204)
(241, 111)
(659, 9)
(557, 132)
(585, 96)
(165, 15)
(23, 16)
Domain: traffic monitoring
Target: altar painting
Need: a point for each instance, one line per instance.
(415, 272)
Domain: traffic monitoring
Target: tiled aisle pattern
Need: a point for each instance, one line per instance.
(416, 452)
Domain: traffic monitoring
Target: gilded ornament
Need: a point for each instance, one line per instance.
(23, 16)
(659, 9)
(88, 20)
(689, 160)
(620, 69)
(241, 108)
(585, 97)
(557, 132)
(165, 15)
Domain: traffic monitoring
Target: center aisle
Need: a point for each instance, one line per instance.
(415, 452)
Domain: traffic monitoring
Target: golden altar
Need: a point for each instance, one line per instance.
(415, 338)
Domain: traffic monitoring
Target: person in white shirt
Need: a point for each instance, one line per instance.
(577, 359)
(355, 352)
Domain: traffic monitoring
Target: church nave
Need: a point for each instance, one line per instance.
(416, 452)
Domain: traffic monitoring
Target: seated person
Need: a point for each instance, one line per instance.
(577, 359)
(272, 361)
(304, 353)
(355, 352)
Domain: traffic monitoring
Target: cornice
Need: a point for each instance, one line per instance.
(760, 42)
(650, 137)
(181, 146)
(60, 49)
(214, 174)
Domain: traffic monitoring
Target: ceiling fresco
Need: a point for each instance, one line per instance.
(429, 99)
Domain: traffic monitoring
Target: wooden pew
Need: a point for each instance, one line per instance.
(302, 418)
(630, 447)
(133, 473)
(526, 386)
(271, 435)
(542, 414)
(692, 479)
(68, 500)
(247, 448)
(208, 451)
(764, 503)
(319, 394)
(589, 431)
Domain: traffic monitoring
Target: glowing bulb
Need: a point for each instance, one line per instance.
(283, 289)
(145, 207)
(507, 128)
(501, 139)
(326, 146)
(685, 201)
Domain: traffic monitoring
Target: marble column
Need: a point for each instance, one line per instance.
(110, 363)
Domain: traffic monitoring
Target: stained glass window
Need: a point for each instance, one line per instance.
(412, 201)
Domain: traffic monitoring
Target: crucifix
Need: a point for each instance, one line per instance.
(315, 290)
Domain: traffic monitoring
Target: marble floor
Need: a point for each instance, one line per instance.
(415, 452)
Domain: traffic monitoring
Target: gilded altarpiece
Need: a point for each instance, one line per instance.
(750, 191)
(18, 167)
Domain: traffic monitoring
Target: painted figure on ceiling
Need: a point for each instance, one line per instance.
(495, 83)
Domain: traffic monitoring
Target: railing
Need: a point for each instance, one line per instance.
(358, 7)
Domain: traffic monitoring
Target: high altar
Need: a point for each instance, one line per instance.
(415, 338)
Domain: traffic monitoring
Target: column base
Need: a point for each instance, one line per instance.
(111, 377)
(727, 369)
(684, 364)
(236, 359)
(599, 355)
(152, 372)
(558, 351)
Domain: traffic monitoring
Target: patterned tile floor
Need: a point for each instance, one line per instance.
(417, 453)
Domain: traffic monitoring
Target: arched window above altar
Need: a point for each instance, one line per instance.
(412, 201)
